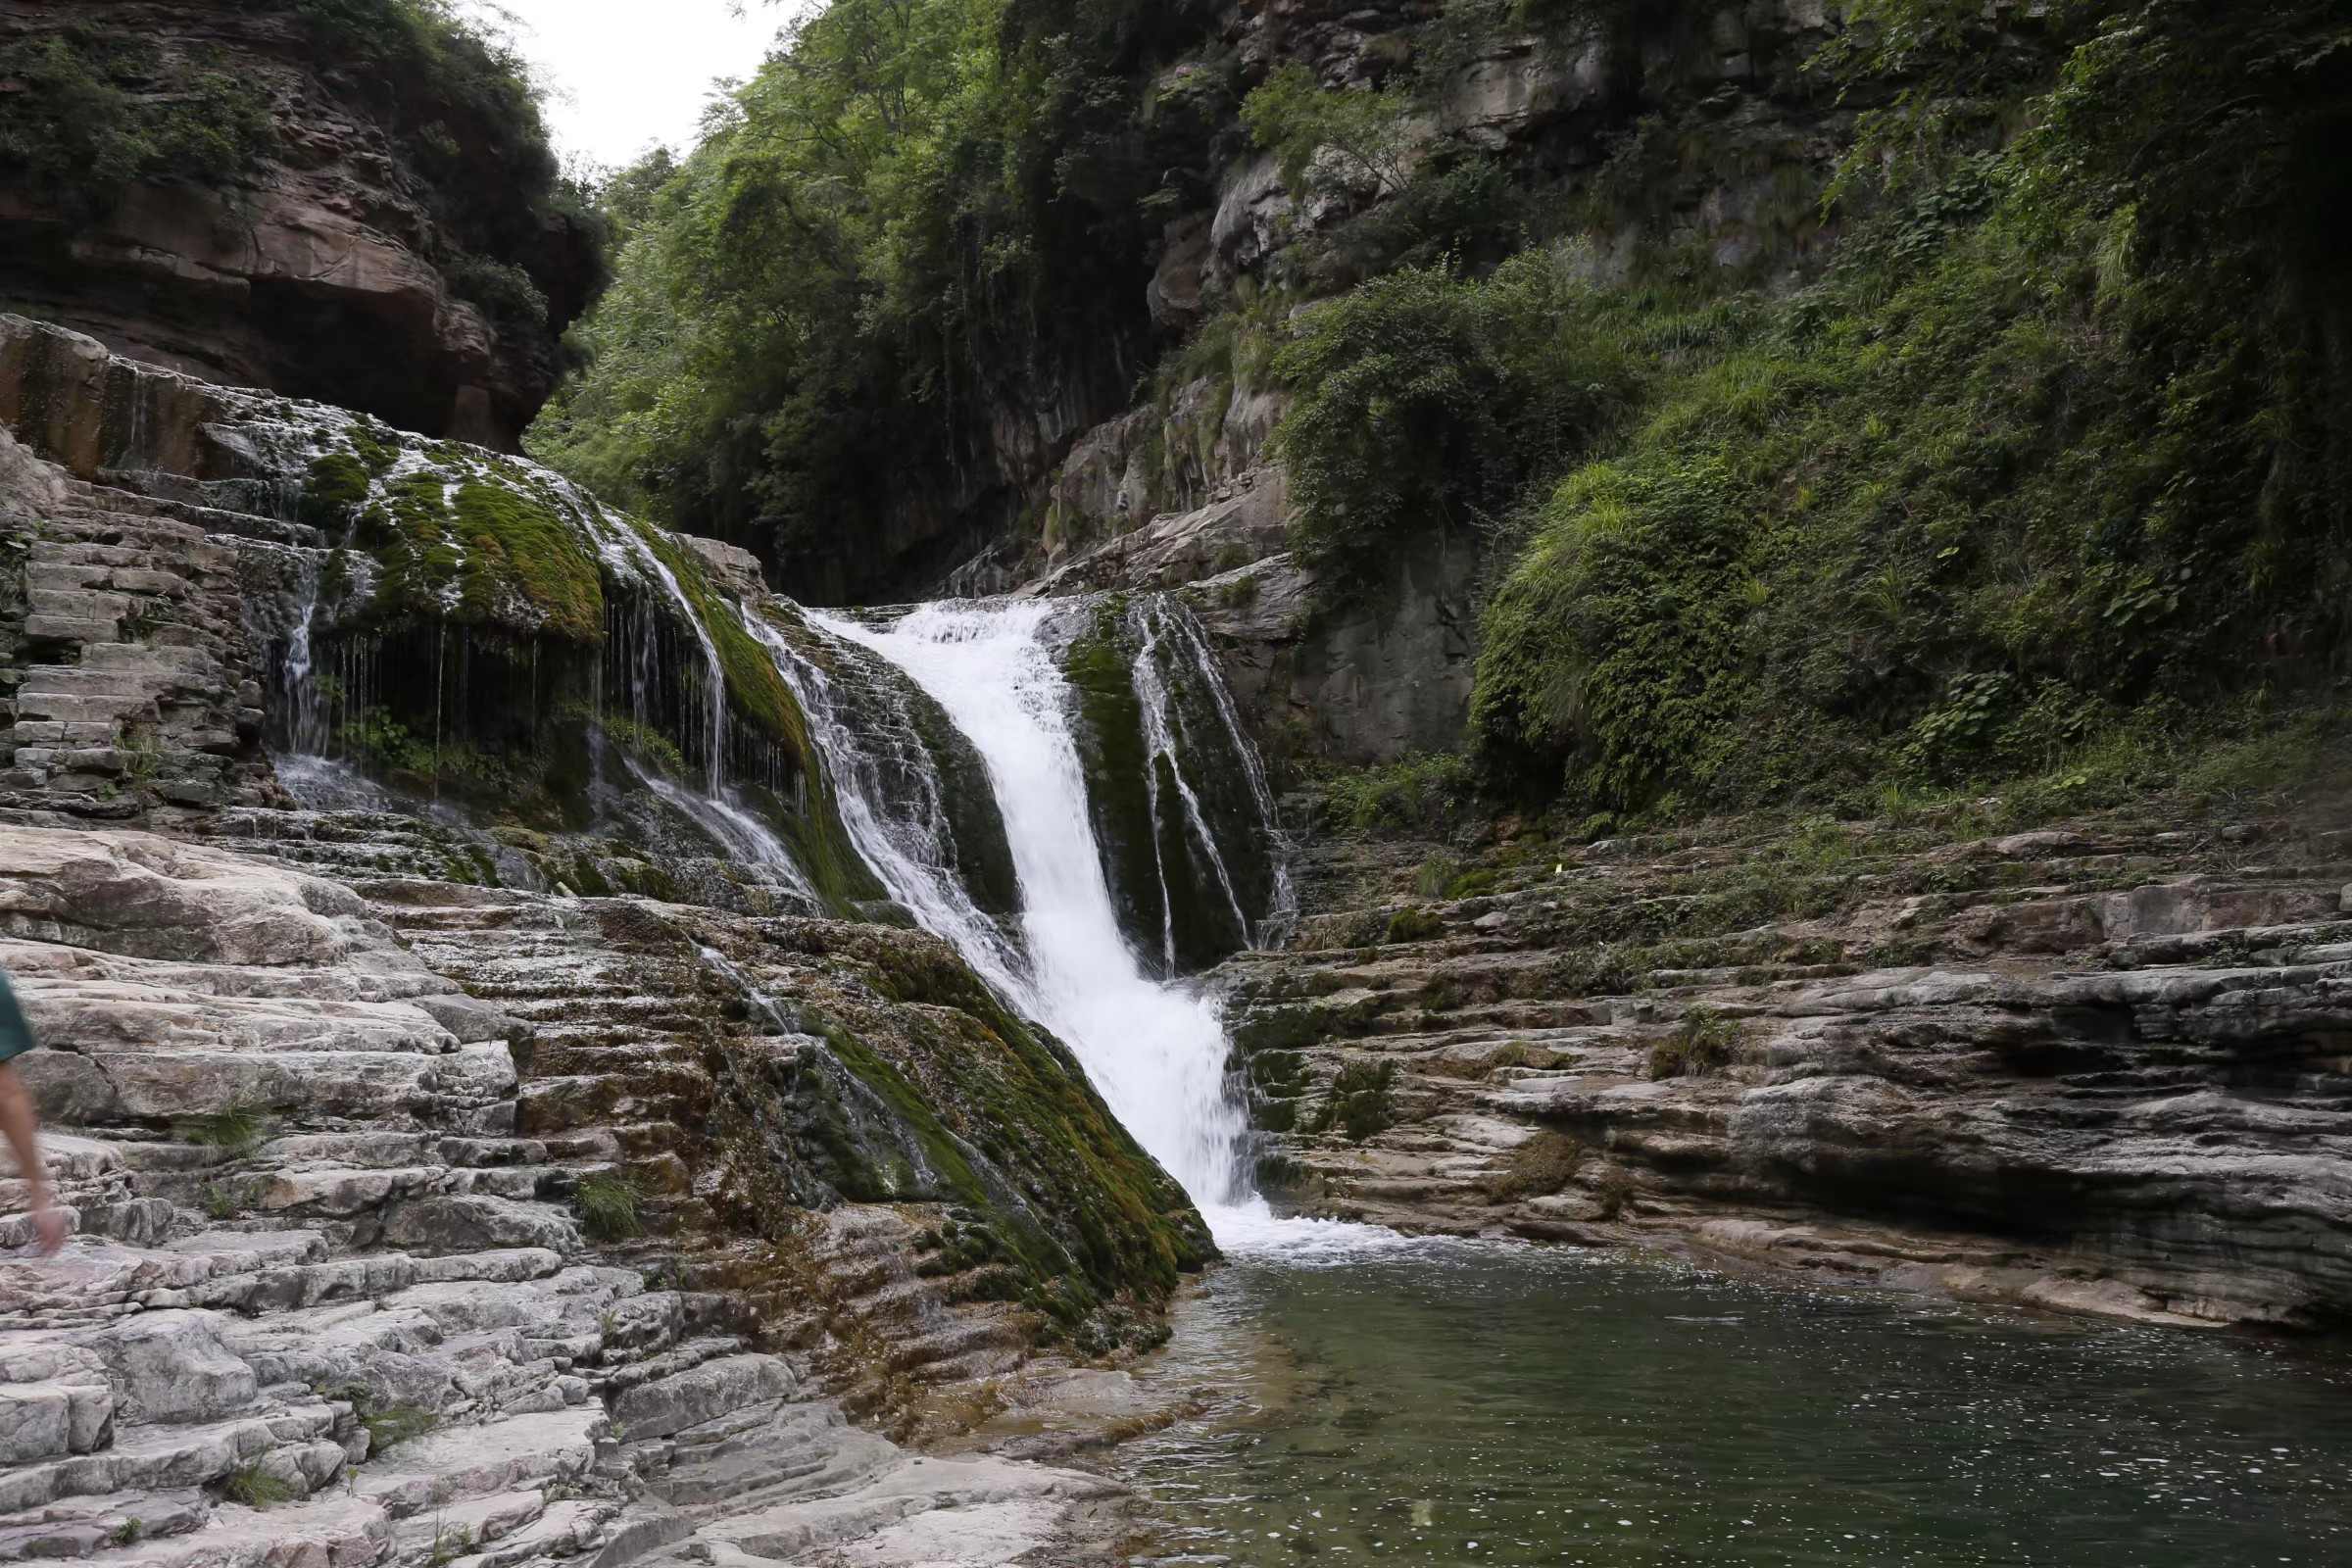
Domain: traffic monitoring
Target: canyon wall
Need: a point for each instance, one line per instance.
(333, 202)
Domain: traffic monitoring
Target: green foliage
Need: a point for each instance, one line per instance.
(389, 1426)
(91, 115)
(608, 1202)
(231, 1132)
(228, 1200)
(1544, 1164)
(1428, 401)
(1413, 924)
(1436, 876)
(505, 291)
(1418, 796)
(128, 1533)
(256, 1488)
(1702, 1044)
(1356, 140)
(386, 743)
(2059, 450)
(909, 199)
(458, 97)
(464, 113)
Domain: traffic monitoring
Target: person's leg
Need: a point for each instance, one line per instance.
(22, 1131)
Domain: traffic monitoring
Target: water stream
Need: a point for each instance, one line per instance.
(1155, 1051)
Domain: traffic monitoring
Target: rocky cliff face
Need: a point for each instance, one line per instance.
(1187, 490)
(2095, 1067)
(262, 196)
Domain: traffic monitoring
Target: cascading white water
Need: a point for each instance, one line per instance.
(1157, 1052)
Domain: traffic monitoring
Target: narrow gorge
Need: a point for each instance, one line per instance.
(1457, 782)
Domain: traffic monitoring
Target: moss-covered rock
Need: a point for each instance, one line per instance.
(1170, 788)
(909, 1081)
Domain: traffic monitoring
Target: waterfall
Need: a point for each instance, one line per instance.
(1156, 1051)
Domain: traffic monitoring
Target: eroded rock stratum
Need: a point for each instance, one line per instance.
(525, 1177)
(333, 202)
(2097, 1067)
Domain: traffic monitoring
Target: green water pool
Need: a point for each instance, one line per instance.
(1457, 1402)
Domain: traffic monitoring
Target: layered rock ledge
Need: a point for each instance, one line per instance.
(2099, 1068)
(332, 1297)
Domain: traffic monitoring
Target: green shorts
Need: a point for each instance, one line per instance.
(15, 1036)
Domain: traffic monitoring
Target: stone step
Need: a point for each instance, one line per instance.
(330, 1530)
(665, 1407)
(453, 1463)
(165, 1458)
(575, 1527)
(51, 1417)
(90, 1526)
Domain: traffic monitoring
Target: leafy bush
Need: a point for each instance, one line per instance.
(389, 1426)
(1420, 794)
(256, 1488)
(1410, 924)
(2061, 441)
(1356, 140)
(1428, 401)
(506, 292)
(93, 115)
(464, 113)
(907, 204)
(1701, 1045)
(232, 1133)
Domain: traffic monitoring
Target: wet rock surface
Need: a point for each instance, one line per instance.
(447, 1190)
(2095, 1068)
(334, 1295)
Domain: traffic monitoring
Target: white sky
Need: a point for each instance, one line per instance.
(626, 74)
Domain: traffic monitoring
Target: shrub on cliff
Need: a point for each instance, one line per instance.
(2067, 433)
(83, 116)
(1427, 402)
(464, 113)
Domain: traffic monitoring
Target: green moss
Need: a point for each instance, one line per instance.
(755, 692)
(1004, 1117)
(1360, 1101)
(1117, 763)
(1411, 925)
(1168, 890)
(521, 548)
(369, 444)
(335, 482)
(492, 556)
(1427, 402)
(975, 826)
